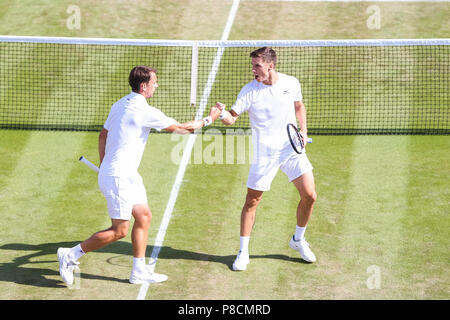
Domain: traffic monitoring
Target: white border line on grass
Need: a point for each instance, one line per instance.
(187, 152)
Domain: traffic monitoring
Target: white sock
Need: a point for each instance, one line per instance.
(244, 244)
(299, 233)
(76, 253)
(138, 263)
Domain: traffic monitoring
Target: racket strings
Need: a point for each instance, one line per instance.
(295, 137)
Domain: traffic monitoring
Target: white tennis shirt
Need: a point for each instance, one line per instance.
(129, 123)
(270, 109)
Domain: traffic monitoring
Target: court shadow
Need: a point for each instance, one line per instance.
(173, 254)
(170, 253)
(25, 270)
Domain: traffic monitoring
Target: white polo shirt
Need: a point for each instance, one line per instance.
(129, 122)
(270, 109)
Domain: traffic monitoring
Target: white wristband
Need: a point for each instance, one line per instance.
(207, 121)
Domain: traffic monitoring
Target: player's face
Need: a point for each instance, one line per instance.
(261, 69)
(151, 86)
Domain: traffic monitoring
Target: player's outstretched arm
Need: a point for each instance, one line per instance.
(228, 117)
(191, 126)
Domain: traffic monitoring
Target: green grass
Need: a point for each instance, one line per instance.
(383, 200)
(365, 215)
(374, 210)
(296, 20)
(53, 200)
(159, 19)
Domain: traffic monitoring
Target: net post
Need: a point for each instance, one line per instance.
(194, 70)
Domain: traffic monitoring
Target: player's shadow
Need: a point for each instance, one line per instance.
(170, 253)
(29, 269)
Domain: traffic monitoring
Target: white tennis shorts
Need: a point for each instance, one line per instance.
(121, 194)
(264, 171)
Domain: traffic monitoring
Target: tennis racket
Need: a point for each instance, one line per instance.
(89, 164)
(296, 139)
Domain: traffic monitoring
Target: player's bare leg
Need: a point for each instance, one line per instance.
(248, 214)
(68, 257)
(139, 233)
(307, 190)
(141, 272)
(117, 231)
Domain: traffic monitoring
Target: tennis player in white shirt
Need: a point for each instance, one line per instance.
(273, 100)
(121, 146)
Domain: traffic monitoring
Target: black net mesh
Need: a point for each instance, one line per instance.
(366, 89)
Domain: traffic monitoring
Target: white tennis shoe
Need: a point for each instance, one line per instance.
(303, 248)
(241, 262)
(146, 276)
(66, 265)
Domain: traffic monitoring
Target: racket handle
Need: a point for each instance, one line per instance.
(89, 164)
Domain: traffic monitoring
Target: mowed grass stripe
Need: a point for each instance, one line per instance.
(105, 272)
(203, 235)
(11, 144)
(203, 239)
(424, 256)
(370, 231)
(66, 207)
(32, 186)
(103, 18)
(333, 20)
(78, 211)
(73, 213)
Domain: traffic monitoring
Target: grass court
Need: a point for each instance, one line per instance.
(382, 207)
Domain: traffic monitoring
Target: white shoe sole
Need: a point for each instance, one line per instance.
(235, 268)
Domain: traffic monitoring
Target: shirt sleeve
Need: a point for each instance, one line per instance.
(298, 91)
(107, 124)
(243, 101)
(156, 119)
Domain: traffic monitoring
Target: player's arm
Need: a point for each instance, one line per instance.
(229, 117)
(186, 127)
(191, 126)
(300, 113)
(102, 143)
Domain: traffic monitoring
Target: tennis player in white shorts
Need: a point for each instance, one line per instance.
(121, 146)
(121, 194)
(263, 172)
(273, 100)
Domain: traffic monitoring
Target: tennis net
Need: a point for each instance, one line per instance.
(349, 87)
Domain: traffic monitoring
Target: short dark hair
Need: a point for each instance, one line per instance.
(266, 53)
(138, 75)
